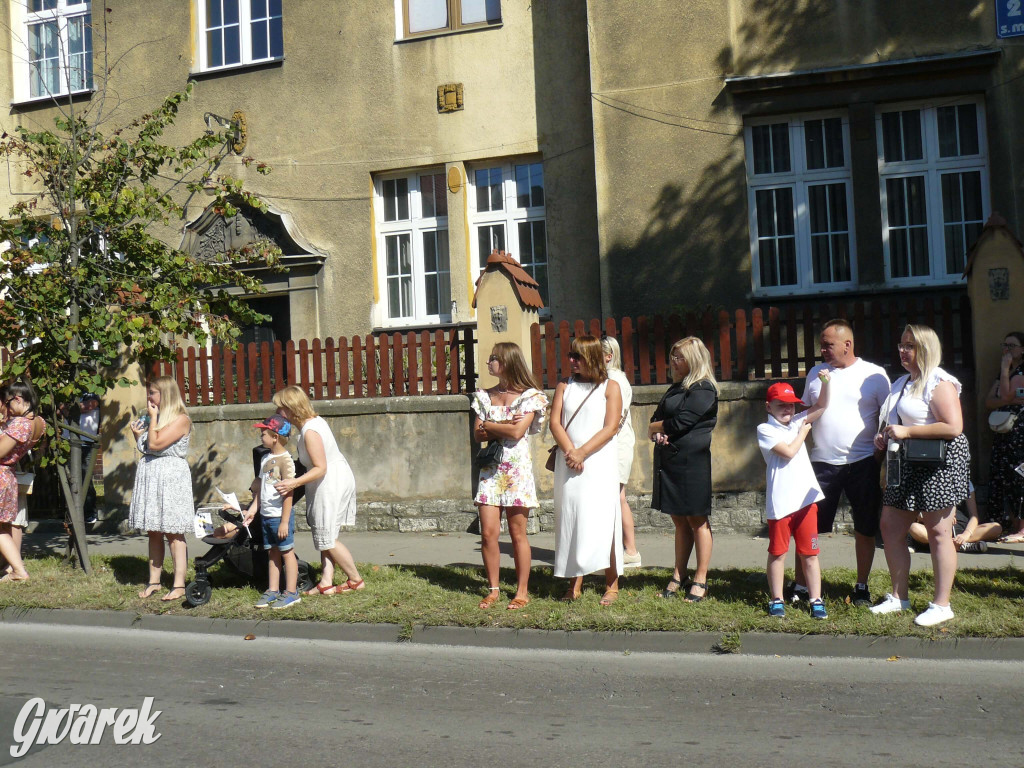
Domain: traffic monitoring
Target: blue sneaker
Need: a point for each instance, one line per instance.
(286, 599)
(777, 608)
(817, 610)
(267, 598)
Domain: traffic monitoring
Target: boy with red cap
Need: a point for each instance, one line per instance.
(276, 512)
(792, 492)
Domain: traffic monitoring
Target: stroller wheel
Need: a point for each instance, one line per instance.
(305, 581)
(198, 593)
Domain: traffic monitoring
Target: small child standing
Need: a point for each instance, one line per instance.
(276, 511)
(792, 492)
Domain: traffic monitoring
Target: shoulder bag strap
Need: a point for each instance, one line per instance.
(580, 407)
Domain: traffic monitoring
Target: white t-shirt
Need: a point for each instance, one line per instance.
(791, 482)
(845, 432)
(916, 411)
(274, 468)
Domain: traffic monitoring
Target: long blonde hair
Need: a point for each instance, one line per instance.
(927, 355)
(297, 403)
(171, 405)
(697, 357)
(514, 370)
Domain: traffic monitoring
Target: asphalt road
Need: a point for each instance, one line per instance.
(228, 701)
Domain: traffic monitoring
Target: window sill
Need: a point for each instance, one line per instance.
(446, 33)
(38, 102)
(235, 69)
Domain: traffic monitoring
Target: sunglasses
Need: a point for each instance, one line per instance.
(575, 356)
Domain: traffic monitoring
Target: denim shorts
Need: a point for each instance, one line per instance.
(270, 540)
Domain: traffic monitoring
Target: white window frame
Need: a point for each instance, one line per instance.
(415, 226)
(245, 39)
(799, 178)
(65, 12)
(510, 216)
(932, 168)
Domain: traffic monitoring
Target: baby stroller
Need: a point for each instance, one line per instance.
(244, 551)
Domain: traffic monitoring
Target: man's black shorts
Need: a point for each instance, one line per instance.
(860, 483)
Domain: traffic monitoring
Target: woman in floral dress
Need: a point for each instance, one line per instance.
(510, 412)
(17, 437)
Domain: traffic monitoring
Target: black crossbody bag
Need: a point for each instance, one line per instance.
(921, 450)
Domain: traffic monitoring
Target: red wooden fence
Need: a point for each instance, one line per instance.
(418, 362)
(760, 344)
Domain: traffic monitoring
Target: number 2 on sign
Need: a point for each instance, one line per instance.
(1013, 7)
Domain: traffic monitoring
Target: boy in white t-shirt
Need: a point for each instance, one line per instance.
(276, 512)
(792, 492)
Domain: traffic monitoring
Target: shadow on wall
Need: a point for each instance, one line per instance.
(693, 249)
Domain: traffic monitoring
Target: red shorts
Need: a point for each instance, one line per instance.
(801, 525)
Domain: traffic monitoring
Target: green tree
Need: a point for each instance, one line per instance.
(87, 281)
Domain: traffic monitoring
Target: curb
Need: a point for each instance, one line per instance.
(750, 644)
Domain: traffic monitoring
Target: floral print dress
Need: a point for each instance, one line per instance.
(18, 429)
(510, 483)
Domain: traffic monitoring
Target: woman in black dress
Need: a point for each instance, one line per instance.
(681, 431)
(1006, 486)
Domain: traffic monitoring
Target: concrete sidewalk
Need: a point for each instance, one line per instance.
(387, 547)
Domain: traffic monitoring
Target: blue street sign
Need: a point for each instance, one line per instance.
(1009, 18)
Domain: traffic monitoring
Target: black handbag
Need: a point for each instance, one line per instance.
(930, 451)
(490, 455)
(925, 451)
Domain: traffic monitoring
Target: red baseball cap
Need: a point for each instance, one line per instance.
(782, 392)
(276, 423)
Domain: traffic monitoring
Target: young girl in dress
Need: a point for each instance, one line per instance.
(162, 503)
(21, 430)
(510, 412)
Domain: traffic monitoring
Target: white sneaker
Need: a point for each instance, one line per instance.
(936, 614)
(631, 561)
(890, 604)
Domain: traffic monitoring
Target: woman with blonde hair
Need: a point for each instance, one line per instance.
(509, 412)
(162, 503)
(923, 405)
(626, 444)
(330, 490)
(585, 418)
(681, 431)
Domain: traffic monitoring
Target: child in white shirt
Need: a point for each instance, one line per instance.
(792, 491)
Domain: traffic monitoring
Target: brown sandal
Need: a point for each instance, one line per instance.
(610, 596)
(517, 603)
(490, 600)
(571, 596)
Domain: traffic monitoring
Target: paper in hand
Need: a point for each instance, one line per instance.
(203, 523)
(230, 499)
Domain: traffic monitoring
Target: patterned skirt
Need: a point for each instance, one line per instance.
(926, 487)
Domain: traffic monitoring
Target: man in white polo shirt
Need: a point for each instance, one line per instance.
(843, 452)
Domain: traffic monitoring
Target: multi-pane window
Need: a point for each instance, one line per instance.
(800, 201)
(412, 240)
(59, 37)
(508, 215)
(238, 32)
(934, 176)
(429, 17)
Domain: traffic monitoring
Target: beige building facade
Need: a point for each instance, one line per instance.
(406, 138)
(772, 153)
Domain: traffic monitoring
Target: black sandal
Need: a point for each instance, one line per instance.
(667, 593)
(692, 598)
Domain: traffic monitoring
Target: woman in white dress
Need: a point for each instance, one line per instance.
(585, 418)
(626, 442)
(330, 490)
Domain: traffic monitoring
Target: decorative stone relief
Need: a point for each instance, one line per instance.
(449, 97)
(999, 284)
